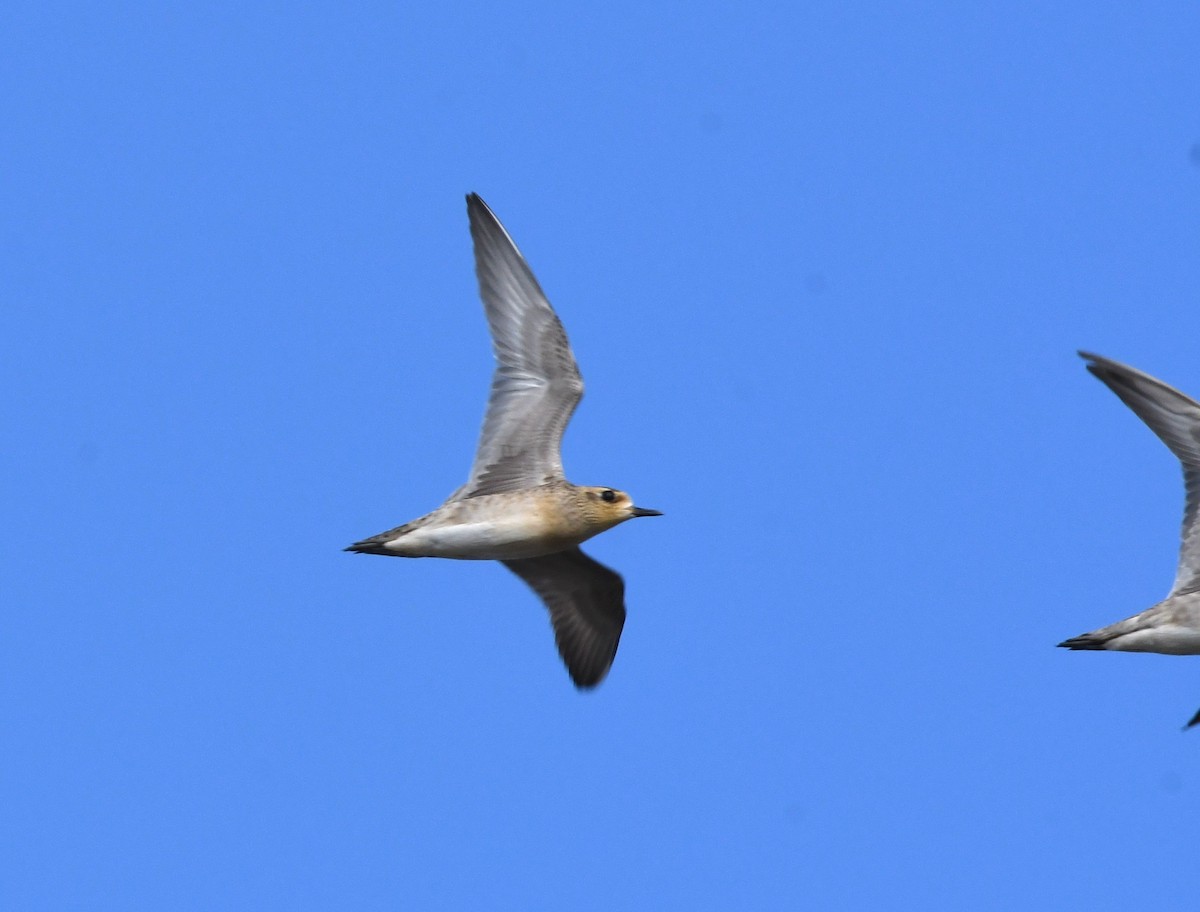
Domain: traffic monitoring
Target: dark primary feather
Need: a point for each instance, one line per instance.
(587, 608)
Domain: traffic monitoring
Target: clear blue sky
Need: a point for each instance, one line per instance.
(825, 271)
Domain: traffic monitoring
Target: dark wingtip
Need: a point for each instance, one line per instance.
(1097, 365)
(587, 675)
(1195, 720)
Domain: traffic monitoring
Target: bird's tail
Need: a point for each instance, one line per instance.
(376, 543)
(1093, 640)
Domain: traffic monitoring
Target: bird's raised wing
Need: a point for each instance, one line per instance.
(536, 386)
(1175, 418)
(587, 608)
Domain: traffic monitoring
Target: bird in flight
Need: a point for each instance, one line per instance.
(517, 507)
(1173, 625)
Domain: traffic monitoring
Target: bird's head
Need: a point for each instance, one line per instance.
(608, 507)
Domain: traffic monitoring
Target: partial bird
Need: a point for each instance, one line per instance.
(1173, 625)
(517, 507)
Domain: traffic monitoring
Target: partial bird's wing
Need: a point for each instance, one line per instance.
(587, 608)
(1175, 418)
(536, 385)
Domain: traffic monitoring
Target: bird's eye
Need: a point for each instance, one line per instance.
(608, 496)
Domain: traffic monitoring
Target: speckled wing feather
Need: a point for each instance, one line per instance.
(536, 386)
(1175, 418)
(587, 608)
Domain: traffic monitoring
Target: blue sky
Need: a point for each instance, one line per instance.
(825, 271)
